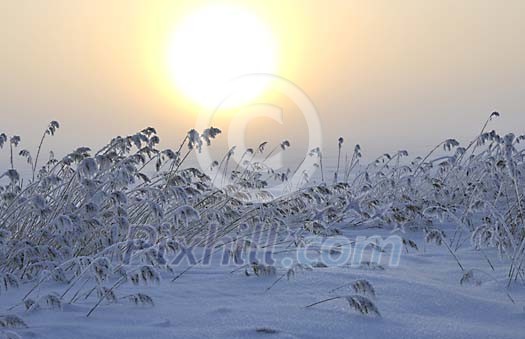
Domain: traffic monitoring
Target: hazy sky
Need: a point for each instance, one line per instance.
(389, 74)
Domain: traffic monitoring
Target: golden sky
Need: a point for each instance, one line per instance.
(388, 74)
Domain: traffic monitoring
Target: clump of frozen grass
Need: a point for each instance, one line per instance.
(478, 188)
(11, 321)
(360, 302)
(8, 322)
(8, 281)
(361, 286)
(49, 301)
(95, 220)
(140, 299)
(84, 219)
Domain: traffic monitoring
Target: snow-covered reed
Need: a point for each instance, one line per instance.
(95, 220)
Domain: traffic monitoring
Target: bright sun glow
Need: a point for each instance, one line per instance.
(215, 45)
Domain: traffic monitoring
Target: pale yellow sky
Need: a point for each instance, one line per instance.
(389, 74)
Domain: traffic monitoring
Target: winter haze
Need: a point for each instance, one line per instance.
(405, 74)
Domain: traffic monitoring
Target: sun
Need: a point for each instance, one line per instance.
(213, 46)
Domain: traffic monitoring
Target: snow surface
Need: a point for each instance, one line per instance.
(422, 298)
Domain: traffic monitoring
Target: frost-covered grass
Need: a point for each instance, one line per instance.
(95, 227)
